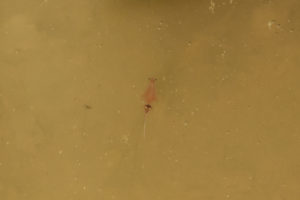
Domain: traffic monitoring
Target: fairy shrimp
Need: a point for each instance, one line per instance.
(149, 96)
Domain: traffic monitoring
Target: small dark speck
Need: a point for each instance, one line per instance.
(87, 106)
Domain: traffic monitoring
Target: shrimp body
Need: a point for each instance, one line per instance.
(150, 94)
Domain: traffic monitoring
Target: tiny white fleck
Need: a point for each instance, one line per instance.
(270, 24)
(125, 139)
(84, 134)
(227, 132)
(109, 164)
(78, 162)
(228, 158)
(99, 46)
(223, 54)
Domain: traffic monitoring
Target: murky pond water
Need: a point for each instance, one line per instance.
(225, 124)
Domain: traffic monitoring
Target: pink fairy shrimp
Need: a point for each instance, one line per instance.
(149, 96)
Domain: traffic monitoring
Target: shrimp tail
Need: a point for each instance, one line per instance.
(145, 126)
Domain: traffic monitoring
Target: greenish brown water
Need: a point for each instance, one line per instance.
(225, 125)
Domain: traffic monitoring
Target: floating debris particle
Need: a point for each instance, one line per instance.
(212, 6)
(86, 106)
